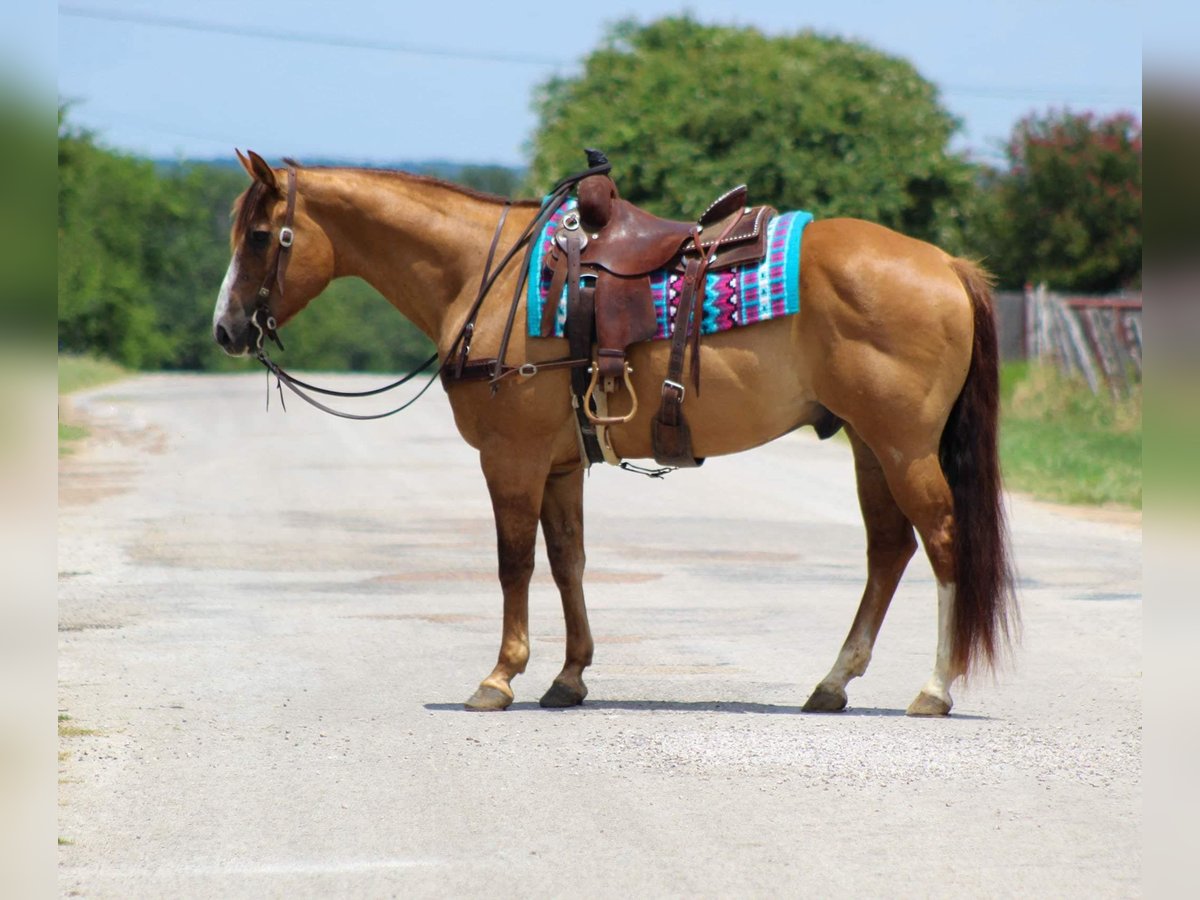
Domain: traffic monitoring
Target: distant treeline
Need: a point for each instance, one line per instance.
(143, 246)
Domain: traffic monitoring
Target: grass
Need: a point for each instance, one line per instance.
(1060, 442)
(76, 373)
(65, 730)
(72, 731)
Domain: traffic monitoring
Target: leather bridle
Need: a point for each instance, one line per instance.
(261, 318)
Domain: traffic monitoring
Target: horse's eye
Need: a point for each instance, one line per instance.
(259, 238)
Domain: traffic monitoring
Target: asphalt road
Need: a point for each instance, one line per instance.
(268, 624)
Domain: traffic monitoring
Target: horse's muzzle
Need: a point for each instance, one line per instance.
(231, 345)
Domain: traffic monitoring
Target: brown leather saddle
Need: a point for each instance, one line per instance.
(604, 253)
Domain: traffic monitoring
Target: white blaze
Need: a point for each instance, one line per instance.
(222, 309)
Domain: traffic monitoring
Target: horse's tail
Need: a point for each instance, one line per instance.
(985, 611)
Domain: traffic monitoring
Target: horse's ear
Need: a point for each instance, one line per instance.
(261, 171)
(245, 162)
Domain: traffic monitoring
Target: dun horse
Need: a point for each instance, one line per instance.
(895, 338)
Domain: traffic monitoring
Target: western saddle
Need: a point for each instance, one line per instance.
(604, 254)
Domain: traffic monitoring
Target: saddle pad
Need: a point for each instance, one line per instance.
(740, 296)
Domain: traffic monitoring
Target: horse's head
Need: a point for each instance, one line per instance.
(281, 260)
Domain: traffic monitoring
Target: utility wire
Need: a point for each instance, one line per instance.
(304, 37)
(1061, 93)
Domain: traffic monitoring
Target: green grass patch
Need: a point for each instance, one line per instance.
(68, 731)
(72, 731)
(1061, 442)
(76, 373)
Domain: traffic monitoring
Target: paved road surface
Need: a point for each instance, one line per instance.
(268, 623)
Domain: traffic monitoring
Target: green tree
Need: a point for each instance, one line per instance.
(1069, 209)
(685, 110)
(104, 302)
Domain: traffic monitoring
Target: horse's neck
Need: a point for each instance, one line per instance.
(421, 244)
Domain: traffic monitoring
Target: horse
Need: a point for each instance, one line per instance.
(895, 338)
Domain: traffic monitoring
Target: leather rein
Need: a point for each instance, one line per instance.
(456, 366)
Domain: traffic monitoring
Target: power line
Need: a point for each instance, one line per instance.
(305, 37)
(1060, 93)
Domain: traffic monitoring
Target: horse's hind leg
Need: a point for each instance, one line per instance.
(921, 491)
(562, 526)
(890, 545)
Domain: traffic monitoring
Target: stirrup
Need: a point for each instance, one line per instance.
(608, 420)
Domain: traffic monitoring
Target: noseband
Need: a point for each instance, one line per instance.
(262, 319)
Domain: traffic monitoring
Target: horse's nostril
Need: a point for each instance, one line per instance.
(222, 336)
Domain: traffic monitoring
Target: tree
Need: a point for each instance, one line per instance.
(1069, 208)
(104, 301)
(685, 110)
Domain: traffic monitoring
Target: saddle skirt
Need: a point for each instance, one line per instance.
(735, 297)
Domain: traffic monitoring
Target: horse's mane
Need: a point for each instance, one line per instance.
(248, 204)
(430, 180)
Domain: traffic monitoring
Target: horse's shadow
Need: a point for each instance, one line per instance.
(736, 707)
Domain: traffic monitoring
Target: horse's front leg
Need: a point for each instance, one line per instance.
(516, 485)
(562, 527)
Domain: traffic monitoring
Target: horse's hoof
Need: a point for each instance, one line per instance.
(826, 698)
(927, 704)
(488, 698)
(562, 695)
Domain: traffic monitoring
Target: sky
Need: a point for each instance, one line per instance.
(378, 81)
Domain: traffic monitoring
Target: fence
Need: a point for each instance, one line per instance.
(1100, 338)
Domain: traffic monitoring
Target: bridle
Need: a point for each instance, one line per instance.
(262, 319)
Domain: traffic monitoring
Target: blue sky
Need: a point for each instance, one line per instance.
(184, 92)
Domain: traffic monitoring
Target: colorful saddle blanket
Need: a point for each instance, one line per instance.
(739, 296)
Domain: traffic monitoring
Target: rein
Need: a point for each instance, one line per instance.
(294, 385)
(463, 370)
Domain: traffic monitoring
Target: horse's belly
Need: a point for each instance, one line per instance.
(753, 389)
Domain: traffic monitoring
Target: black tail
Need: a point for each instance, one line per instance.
(985, 610)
